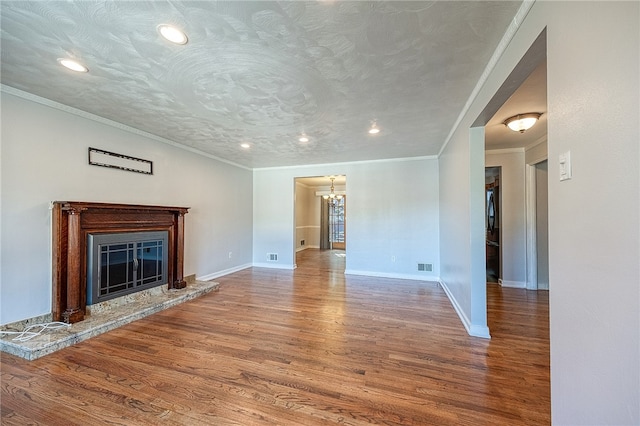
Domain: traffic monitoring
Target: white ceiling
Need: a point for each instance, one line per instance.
(262, 72)
(531, 96)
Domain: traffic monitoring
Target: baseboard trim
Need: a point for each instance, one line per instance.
(299, 249)
(472, 329)
(273, 266)
(217, 274)
(413, 277)
(513, 284)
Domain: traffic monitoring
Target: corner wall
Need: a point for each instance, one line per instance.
(462, 232)
(392, 216)
(44, 159)
(594, 275)
(593, 57)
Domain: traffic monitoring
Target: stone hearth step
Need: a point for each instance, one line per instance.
(100, 320)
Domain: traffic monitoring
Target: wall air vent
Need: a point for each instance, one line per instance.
(425, 267)
(272, 257)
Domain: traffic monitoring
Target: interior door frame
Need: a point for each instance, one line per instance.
(499, 222)
(531, 222)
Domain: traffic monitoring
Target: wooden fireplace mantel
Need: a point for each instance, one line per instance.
(73, 221)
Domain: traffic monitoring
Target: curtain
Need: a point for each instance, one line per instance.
(324, 224)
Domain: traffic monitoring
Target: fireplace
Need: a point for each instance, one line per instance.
(125, 263)
(142, 247)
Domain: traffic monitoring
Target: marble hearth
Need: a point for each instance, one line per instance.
(100, 318)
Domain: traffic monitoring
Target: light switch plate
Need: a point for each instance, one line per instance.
(565, 166)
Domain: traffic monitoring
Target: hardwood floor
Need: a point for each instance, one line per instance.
(304, 347)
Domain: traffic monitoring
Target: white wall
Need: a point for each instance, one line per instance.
(307, 206)
(593, 270)
(392, 211)
(44, 158)
(593, 109)
(513, 218)
(462, 228)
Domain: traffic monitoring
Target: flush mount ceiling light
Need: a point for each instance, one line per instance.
(303, 138)
(522, 122)
(72, 65)
(172, 34)
(245, 145)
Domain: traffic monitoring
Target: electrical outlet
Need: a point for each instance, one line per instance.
(230, 253)
(393, 258)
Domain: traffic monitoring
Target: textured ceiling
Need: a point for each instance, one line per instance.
(531, 96)
(262, 72)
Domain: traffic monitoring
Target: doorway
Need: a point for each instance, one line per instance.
(334, 221)
(542, 225)
(492, 224)
(537, 226)
(523, 91)
(320, 214)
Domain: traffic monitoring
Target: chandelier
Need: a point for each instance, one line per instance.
(332, 198)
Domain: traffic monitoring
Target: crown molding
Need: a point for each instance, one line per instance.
(89, 116)
(504, 151)
(535, 143)
(348, 163)
(515, 24)
(80, 113)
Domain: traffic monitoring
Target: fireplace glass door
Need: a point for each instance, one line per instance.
(121, 264)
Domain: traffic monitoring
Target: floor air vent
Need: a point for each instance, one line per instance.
(425, 267)
(272, 257)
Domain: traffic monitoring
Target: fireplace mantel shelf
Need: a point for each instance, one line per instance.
(73, 221)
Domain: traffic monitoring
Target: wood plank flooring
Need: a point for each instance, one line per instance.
(304, 347)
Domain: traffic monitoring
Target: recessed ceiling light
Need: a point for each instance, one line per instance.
(172, 34)
(303, 139)
(374, 129)
(72, 65)
(245, 145)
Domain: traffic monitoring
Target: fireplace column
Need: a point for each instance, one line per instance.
(179, 258)
(73, 313)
